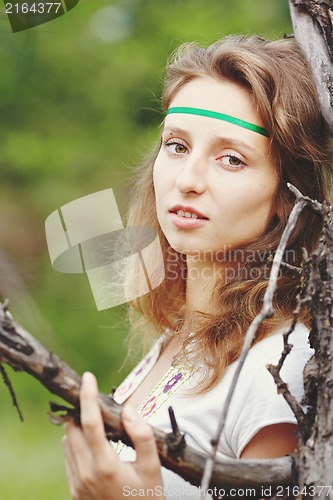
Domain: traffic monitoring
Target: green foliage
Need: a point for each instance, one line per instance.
(79, 106)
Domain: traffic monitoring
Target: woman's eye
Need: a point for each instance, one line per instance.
(179, 148)
(232, 161)
(174, 147)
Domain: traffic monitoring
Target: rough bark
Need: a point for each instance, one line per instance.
(313, 29)
(316, 436)
(315, 427)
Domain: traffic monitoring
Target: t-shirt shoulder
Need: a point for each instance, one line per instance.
(257, 403)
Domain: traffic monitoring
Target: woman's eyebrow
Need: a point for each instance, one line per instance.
(236, 143)
(220, 141)
(174, 130)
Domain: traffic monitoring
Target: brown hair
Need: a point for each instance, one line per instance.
(280, 81)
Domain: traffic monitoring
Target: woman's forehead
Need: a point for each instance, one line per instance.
(218, 100)
(218, 116)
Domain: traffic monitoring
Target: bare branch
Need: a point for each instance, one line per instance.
(282, 387)
(266, 312)
(7, 383)
(303, 299)
(295, 269)
(22, 351)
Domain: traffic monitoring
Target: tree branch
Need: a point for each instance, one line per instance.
(282, 387)
(19, 349)
(304, 298)
(22, 351)
(266, 312)
(8, 384)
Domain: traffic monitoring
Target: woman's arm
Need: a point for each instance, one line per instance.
(272, 441)
(93, 469)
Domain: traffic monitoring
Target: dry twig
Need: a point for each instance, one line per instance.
(22, 351)
(266, 312)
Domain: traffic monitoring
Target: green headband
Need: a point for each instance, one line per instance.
(219, 116)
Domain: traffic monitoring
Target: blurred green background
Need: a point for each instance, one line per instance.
(78, 110)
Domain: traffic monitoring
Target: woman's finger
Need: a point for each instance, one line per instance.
(143, 440)
(71, 469)
(76, 445)
(70, 458)
(91, 418)
(74, 437)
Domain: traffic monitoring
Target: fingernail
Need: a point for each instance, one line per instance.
(129, 414)
(88, 379)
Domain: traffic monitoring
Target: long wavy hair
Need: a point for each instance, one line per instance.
(280, 81)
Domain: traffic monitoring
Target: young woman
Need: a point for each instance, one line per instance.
(242, 120)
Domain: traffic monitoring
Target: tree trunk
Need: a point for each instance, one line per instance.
(316, 436)
(313, 29)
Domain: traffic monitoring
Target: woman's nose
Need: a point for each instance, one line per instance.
(192, 177)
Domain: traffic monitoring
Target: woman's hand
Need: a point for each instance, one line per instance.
(94, 471)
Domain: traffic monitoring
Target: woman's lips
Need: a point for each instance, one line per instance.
(187, 209)
(186, 222)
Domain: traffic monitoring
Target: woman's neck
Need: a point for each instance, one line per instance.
(201, 280)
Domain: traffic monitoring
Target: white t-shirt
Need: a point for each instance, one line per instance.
(255, 403)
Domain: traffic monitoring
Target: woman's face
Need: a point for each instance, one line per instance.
(220, 172)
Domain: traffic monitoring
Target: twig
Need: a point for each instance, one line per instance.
(295, 269)
(315, 205)
(266, 312)
(286, 265)
(275, 370)
(8, 384)
(176, 439)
